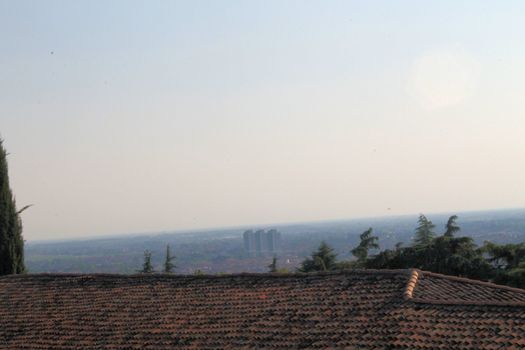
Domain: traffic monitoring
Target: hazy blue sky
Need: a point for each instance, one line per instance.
(132, 116)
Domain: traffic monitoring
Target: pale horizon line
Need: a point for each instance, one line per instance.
(259, 225)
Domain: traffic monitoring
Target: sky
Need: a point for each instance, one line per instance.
(144, 116)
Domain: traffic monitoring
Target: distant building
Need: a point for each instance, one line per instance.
(259, 238)
(273, 240)
(262, 242)
(249, 242)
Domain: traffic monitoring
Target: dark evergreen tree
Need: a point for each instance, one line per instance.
(504, 256)
(169, 266)
(458, 256)
(451, 227)
(424, 231)
(451, 256)
(11, 241)
(508, 261)
(273, 266)
(515, 277)
(147, 267)
(324, 259)
(367, 242)
(446, 254)
(398, 258)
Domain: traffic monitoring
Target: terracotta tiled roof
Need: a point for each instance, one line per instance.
(437, 288)
(385, 309)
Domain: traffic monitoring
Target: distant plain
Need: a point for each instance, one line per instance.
(221, 250)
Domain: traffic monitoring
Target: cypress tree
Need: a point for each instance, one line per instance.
(273, 266)
(11, 241)
(168, 265)
(147, 267)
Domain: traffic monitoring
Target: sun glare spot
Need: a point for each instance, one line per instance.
(443, 78)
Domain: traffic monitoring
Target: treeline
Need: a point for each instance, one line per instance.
(446, 253)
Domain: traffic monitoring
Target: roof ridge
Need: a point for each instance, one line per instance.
(411, 284)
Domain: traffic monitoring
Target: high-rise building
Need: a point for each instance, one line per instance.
(249, 242)
(259, 240)
(273, 239)
(262, 242)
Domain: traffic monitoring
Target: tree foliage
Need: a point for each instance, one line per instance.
(323, 259)
(147, 266)
(508, 261)
(424, 231)
(169, 266)
(367, 242)
(451, 228)
(446, 254)
(11, 241)
(273, 266)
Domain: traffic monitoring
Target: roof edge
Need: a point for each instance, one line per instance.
(209, 276)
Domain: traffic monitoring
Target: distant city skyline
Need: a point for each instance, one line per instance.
(129, 116)
(261, 242)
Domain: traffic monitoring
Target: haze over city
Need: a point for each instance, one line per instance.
(120, 117)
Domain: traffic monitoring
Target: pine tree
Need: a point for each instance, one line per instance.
(273, 266)
(11, 241)
(367, 242)
(324, 259)
(424, 231)
(168, 265)
(147, 267)
(451, 227)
